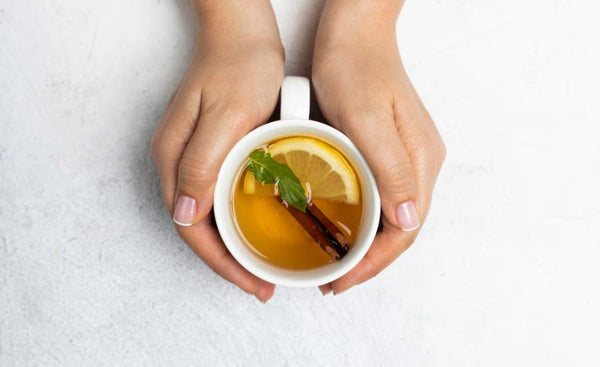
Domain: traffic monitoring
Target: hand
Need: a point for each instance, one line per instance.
(363, 90)
(231, 87)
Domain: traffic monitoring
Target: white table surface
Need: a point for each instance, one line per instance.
(505, 273)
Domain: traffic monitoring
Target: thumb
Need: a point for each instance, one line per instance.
(200, 164)
(390, 162)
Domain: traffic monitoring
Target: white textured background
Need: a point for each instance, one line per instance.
(505, 273)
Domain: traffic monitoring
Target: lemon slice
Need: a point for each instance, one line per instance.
(322, 170)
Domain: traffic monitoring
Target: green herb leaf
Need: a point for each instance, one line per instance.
(269, 171)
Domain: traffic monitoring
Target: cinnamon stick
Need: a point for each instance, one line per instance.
(329, 226)
(321, 229)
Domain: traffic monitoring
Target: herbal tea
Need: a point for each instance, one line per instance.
(297, 203)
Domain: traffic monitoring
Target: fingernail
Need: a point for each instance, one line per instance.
(185, 211)
(263, 293)
(407, 216)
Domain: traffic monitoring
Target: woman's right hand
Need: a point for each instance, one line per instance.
(364, 90)
(230, 88)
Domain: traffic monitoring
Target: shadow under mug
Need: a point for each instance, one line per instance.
(295, 107)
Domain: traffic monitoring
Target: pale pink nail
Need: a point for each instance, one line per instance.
(407, 216)
(185, 211)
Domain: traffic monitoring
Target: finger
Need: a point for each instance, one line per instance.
(326, 288)
(217, 131)
(172, 134)
(391, 242)
(204, 240)
(387, 246)
(423, 142)
(377, 138)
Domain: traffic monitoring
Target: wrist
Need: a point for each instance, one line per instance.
(363, 12)
(358, 21)
(213, 6)
(223, 23)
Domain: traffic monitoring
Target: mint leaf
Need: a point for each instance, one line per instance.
(269, 171)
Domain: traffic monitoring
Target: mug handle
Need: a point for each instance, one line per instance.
(295, 98)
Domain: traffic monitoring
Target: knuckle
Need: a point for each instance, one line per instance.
(400, 178)
(194, 172)
(239, 118)
(397, 182)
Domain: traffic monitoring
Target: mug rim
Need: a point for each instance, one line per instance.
(230, 233)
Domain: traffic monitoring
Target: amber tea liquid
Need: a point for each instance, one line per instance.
(273, 234)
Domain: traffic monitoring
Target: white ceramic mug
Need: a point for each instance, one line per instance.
(295, 107)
